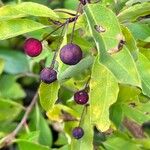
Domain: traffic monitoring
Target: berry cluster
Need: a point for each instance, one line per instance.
(70, 54)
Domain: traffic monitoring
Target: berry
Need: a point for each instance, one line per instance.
(77, 132)
(71, 54)
(48, 75)
(84, 1)
(32, 47)
(81, 97)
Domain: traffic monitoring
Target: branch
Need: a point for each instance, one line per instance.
(9, 138)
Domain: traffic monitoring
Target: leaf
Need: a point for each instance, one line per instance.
(103, 93)
(55, 114)
(134, 12)
(145, 52)
(39, 123)
(104, 28)
(136, 113)
(117, 143)
(26, 9)
(30, 136)
(48, 94)
(130, 42)
(86, 142)
(1, 65)
(76, 70)
(15, 62)
(140, 31)
(15, 27)
(25, 144)
(128, 93)
(143, 65)
(9, 109)
(121, 63)
(10, 86)
(35, 9)
(116, 114)
(133, 2)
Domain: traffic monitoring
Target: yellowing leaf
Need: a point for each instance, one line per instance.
(103, 93)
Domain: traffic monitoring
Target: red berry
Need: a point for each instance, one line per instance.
(48, 75)
(71, 54)
(81, 97)
(77, 132)
(32, 47)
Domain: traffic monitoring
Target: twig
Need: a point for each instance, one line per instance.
(9, 138)
(53, 32)
(78, 9)
(56, 52)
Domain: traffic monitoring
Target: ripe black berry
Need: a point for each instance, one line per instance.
(71, 54)
(84, 1)
(81, 97)
(48, 75)
(77, 132)
(32, 47)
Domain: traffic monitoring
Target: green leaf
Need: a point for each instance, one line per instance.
(103, 93)
(9, 109)
(121, 63)
(9, 12)
(117, 143)
(15, 62)
(143, 65)
(123, 67)
(15, 27)
(39, 123)
(77, 70)
(30, 136)
(145, 52)
(26, 9)
(1, 65)
(48, 94)
(104, 28)
(35, 9)
(116, 114)
(133, 2)
(140, 31)
(130, 42)
(136, 113)
(134, 12)
(127, 93)
(10, 86)
(27, 145)
(86, 142)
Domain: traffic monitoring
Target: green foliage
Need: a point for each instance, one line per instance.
(115, 71)
(102, 84)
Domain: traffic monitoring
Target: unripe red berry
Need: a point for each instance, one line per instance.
(32, 47)
(81, 97)
(48, 75)
(71, 54)
(77, 132)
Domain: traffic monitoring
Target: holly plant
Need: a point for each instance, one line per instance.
(75, 75)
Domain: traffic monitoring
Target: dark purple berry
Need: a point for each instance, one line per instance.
(32, 47)
(81, 97)
(84, 1)
(71, 54)
(48, 75)
(77, 132)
